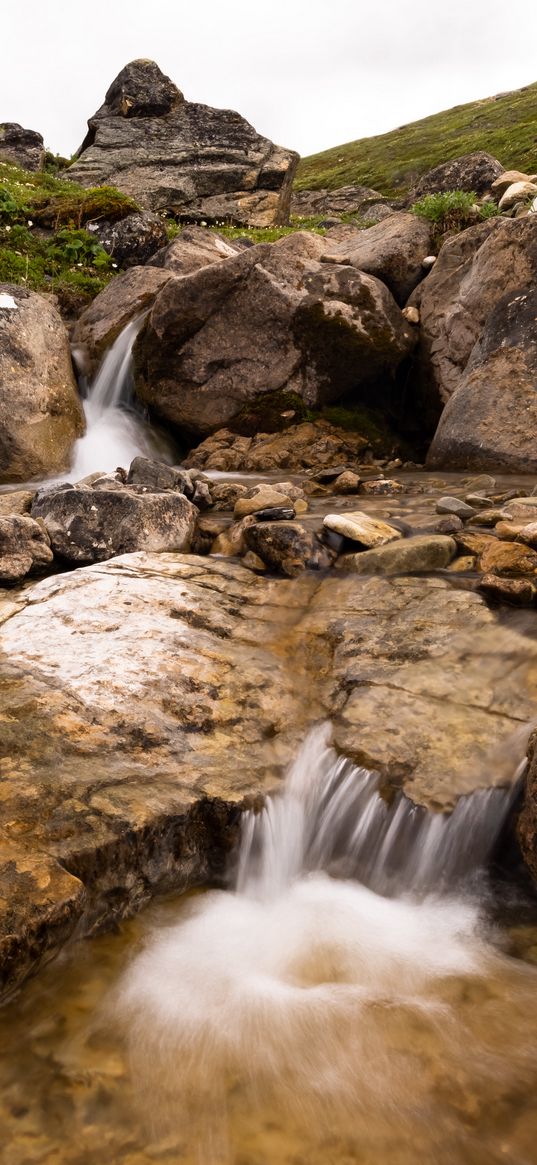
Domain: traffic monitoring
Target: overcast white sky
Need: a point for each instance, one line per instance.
(307, 73)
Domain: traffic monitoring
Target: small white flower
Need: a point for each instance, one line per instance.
(79, 264)
(7, 228)
(30, 223)
(114, 265)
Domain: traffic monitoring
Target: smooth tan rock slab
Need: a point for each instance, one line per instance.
(423, 552)
(361, 527)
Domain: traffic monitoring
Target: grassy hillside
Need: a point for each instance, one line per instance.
(505, 126)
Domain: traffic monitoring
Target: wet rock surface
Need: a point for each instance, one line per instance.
(147, 698)
(24, 547)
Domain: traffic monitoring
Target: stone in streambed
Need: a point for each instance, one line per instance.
(508, 558)
(40, 410)
(520, 592)
(347, 483)
(528, 535)
(88, 525)
(448, 525)
(491, 517)
(381, 487)
(287, 547)
(17, 501)
(24, 546)
(262, 497)
(360, 527)
(275, 514)
(412, 555)
(449, 505)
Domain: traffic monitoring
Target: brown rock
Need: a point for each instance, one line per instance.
(505, 558)
(40, 411)
(519, 592)
(24, 547)
(287, 547)
(299, 447)
(206, 351)
(393, 251)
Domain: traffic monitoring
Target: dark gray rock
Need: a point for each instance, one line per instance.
(472, 172)
(89, 525)
(22, 147)
(134, 240)
(287, 547)
(355, 199)
(168, 153)
(275, 514)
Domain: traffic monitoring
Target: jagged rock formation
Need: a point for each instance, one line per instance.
(169, 153)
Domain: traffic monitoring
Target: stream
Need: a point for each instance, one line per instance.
(360, 987)
(353, 998)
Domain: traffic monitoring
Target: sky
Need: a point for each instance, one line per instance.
(309, 74)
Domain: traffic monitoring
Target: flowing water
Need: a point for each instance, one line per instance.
(350, 1001)
(116, 430)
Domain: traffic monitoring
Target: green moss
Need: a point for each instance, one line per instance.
(270, 413)
(392, 162)
(369, 423)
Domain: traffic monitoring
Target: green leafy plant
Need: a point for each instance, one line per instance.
(452, 211)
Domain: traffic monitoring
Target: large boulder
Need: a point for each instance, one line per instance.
(194, 247)
(40, 411)
(168, 153)
(22, 147)
(92, 525)
(270, 318)
(478, 310)
(472, 172)
(393, 251)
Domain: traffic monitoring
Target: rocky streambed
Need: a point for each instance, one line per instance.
(145, 700)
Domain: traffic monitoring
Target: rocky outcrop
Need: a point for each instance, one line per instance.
(194, 247)
(144, 701)
(393, 251)
(358, 200)
(24, 547)
(270, 318)
(477, 353)
(478, 310)
(91, 525)
(472, 172)
(21, 147)
(40, 411)
(200, 163)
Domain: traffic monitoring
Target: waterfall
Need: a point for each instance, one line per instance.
(298, 995)
(116, 431)
(332, 817)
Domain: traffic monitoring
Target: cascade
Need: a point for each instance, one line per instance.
(116, 430)
(309, 988)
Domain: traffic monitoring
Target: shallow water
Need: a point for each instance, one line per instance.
(304, 1018)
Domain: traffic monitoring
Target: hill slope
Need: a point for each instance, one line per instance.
(505, 126)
